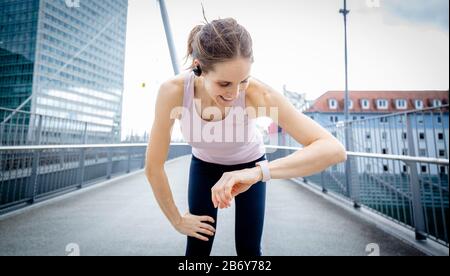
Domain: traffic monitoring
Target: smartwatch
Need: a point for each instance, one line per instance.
(265, 170)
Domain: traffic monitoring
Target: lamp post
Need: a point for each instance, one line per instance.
(344, 12)
(352, 192)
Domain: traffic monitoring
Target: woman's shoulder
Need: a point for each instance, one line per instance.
(258, 93)
(173, 89)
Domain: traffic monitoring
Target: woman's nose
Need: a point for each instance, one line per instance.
(233, 94)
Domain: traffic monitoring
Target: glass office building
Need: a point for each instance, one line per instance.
(18, 27)
(65, 59)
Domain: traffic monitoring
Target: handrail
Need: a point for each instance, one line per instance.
(381, 156)
(134, 145)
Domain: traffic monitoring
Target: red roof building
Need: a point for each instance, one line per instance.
(379, 101)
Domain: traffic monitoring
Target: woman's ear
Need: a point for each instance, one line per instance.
(195, 63)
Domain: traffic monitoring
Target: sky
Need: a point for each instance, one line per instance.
(392, 45)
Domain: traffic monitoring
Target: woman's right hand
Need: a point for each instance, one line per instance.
(195, 226)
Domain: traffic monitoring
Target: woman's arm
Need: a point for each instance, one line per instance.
(168, 100)
(321, 149)
(157, 150)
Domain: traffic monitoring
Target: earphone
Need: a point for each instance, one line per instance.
(197, 71)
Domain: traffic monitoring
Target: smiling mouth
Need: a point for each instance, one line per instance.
(226, 99)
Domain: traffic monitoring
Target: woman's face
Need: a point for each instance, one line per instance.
(227, 80)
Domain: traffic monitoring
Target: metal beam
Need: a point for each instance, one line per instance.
(169, 37)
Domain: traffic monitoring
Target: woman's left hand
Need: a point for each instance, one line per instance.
(233, 183)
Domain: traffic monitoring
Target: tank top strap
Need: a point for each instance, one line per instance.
(188, 89)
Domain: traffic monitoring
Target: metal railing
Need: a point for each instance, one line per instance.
(398, 163)
(415, 200)
(31, 173)
(43, 155)
(397, 166)
(34, 173)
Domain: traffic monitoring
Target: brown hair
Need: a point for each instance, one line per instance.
(218, 41)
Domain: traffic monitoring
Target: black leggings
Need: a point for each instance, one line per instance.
(250, 207)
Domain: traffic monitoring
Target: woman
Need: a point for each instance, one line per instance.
(217, 103)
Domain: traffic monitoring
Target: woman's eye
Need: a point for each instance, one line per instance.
(225, 85)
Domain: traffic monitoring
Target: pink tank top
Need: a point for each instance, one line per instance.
(233, 140)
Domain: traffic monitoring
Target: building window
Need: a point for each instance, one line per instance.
(422, 153)
(423, 169)
(334, 119)
(441, 153)
(365, 104)
(401, 104)
(362, 117)
(420, 120)
(368, 136)
(383, 120)
(437, 103)
(405, 169)
(439, 119)
(332, 103)
(442, 170)
(385, 168)
(441, 136)
(404, 151)
(382, 104)
(422, 136)
(355, 118)
(404, 135)
(384, 151)
(418, 104)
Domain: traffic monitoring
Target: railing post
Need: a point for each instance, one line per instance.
(32, 187)
(419, 219)
(109, 164)
(417, 206)
(2, 130)
(352, 190)
(82, 158)
(144, 156)
(129, 161)
(322, 182)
